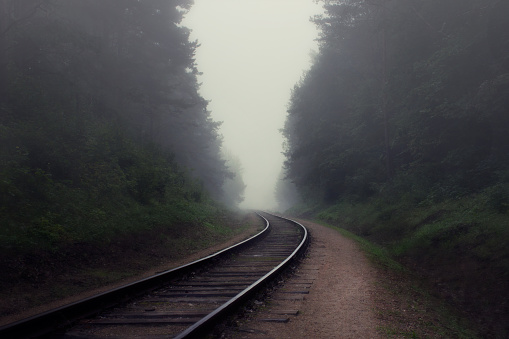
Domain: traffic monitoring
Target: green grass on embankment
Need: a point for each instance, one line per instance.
(457, 248)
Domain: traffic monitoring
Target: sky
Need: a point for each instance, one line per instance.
(251, 54)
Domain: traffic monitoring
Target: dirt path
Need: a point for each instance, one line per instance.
(333, 291)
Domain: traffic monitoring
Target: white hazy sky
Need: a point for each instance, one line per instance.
(252, 53)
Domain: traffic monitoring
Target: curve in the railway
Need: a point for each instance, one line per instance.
(185, 302)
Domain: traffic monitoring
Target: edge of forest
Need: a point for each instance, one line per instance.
(456, 249)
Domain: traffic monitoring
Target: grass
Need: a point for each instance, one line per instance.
(34, 279)
(377, 254)
(466, 227)
(408, 310)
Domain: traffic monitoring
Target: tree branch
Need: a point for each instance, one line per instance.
(441, 31)
(29, 15)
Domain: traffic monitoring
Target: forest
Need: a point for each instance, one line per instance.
(398, 132)
(101, 116)
(106, 145)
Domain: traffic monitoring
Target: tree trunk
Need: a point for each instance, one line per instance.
(4, 22)
(385, 99)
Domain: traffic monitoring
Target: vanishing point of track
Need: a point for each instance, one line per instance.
(186, 302)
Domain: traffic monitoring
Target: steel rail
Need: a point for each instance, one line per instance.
(47, 322)
(201, 327)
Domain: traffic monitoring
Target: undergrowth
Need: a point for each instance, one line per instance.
(63, 183)
(415, 313)
(458, 246)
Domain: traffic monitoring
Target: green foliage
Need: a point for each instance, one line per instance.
(102, 130)
(435, 317)
(404, 95)
(126, 64)
(398, 133)
(498, 198)
(459, 242)
(90, 184)
(233, 186)
(376, 253)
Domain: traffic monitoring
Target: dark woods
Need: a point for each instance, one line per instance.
(100, 119)
(403, 96)
(399, 133)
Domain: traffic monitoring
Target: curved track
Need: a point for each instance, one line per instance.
(185, 302)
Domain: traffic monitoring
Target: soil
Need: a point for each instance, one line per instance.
(335, 292)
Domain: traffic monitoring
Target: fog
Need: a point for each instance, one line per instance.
(252, 53)
(398, 134)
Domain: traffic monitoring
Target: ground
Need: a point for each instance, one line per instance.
(335, 292)
(55, 283)
(336, 299)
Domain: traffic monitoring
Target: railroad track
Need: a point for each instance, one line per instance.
(185, 302)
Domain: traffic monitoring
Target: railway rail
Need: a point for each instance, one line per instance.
(185, 302)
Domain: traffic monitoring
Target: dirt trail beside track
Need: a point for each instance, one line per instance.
(333, 290)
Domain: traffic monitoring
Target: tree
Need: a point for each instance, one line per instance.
(101, 106)
(286, 193)
(233, 187)
(394, 92)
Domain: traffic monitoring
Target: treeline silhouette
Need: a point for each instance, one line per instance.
(398, 132)
(102, 127)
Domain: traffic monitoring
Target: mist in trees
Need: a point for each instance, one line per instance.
(100, 117)
(286, 193)
(233, 186)
(404, 96)
(398, 132)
